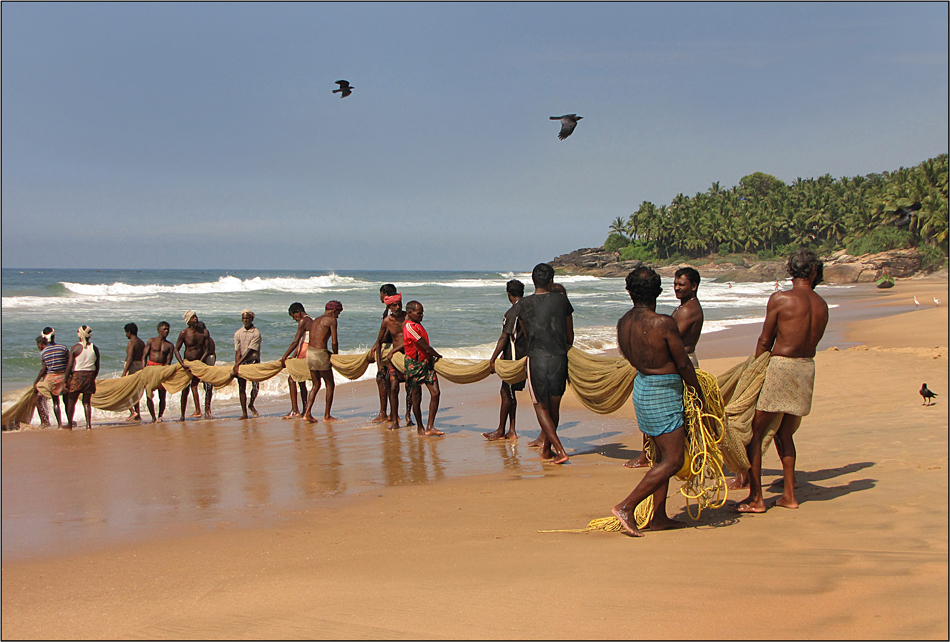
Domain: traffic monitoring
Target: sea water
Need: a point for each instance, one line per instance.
(463, 310)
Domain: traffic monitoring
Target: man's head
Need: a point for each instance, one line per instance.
(84, 333)
(247, 318)
(542, 275)
(685, 284)
(393, 303)
(515, 289)
(414, 311)
(41, 342)
(557, 287)
(190, 318)
(163, 329)
(296, 311)
(643, 285)
(201, 327)
(386, 290)
(334, 308)
(50, 335)
(805, 264)
(131, 330)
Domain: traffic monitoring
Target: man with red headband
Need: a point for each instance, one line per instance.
(322, 328)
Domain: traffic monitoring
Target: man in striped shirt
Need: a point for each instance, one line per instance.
(54, 357)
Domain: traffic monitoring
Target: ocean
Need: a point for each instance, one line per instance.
(463, 310)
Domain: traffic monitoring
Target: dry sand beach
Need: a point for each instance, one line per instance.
(274, 529)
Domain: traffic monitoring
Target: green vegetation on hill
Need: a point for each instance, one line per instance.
(763, 215)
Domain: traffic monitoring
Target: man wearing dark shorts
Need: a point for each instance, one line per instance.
(509, 346)
(247, 350)
(547, 319)
(133, 361)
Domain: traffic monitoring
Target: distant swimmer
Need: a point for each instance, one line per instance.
(133, 361)
(795, 321)
(299, 347)
(510, 346)
(420, 368)
(81, 372)
(345, 88)
(322, 330)
(652, 344)
(568, 123)
(927, 394)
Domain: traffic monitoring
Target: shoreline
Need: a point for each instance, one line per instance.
(867, 465)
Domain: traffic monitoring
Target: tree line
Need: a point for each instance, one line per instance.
(765, 216)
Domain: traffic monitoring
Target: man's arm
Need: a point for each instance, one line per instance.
(769, 326)
(129, 351)
(422, 343)
(40, 375)
(206, 346)
(683, 365)
(333, 338)
(69, 364)
(295, 343)
(181, 340)
(95, 349)
(378, 346)
(569, 330)
(499, 348)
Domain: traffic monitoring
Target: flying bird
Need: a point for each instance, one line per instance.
(345, 88)
(568, 123)
(927, 394)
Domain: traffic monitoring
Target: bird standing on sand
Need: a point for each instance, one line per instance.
(916, 302)
(345, 88)
(927, 394)
(936, 301)
(568, 123)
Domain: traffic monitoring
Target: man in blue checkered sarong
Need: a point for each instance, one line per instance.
(651, 343)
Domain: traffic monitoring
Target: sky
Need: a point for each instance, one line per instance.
(207, 136)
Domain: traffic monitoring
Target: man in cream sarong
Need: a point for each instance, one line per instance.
(794, 324)
(322, 329)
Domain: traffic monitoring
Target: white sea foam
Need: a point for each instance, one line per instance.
(47, 303)
(223, 285)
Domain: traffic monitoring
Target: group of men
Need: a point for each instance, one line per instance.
(538, 326)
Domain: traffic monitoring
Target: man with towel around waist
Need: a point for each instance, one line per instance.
(81, 372)
(299, 347)
(795, 321)
(196, 349)
(322, 328)
(247, 350)
(652, 344)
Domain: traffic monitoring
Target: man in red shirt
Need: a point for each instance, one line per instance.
(420, 368)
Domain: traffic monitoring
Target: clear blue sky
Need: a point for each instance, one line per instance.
(206, 135)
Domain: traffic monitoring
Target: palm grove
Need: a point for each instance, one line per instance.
(762, 215)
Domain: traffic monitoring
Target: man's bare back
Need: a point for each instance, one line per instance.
(795, 320)
(649, 341)
(321, 330)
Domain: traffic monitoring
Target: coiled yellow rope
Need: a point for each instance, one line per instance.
(702, 471)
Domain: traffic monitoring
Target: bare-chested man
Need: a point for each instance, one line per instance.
(689, 321)
(392, 326)
(652, 344)
(795, 321)
(133, 361)
(211, 357)
(382, 367)
(158, 351)
(322, 329)
(196, 349)
(298, 347)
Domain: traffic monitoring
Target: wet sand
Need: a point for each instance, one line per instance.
(276, 529)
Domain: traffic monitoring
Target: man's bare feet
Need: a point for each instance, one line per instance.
(750, 508)
(665, 524)
(394, 425)
(208, 415)
(254, 412)
(786, 503)
(310, 419)
(197, 413)
(244, 416)
(494, 435)
(546, 453)
(409, 422)
(639, 462)
(327, 418)
(291, 415)
(432, 432)
(535, 443)
(381, 418)
(560, 459)
(628, 523)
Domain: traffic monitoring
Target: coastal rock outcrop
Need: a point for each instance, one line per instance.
(840, 267)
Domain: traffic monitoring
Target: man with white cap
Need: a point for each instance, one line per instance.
(247, 349)
(196, 349)
(81, 372)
